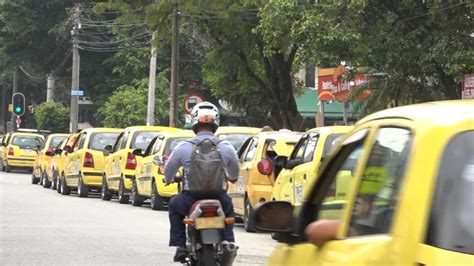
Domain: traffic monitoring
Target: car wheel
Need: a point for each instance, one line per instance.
(248, 217)
(82, 189)
(34, 179)
(123, 199)
(59, 185)
(54, 184)
(46, 182)
(157, 201)
(106, 194)
(8, 168)
(65, 190)
(136, 199)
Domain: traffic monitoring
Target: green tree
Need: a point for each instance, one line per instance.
(52, 116)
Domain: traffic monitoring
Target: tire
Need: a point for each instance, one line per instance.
(249, 225)
(46, 183)
(34, 179)
(58, 185)
(65, 190)
(136, 199)
(2, 168)
(157, 201)
(206, 256)
(106, 194)
(82, 189)
(54, 184)
(8, 168)
(123, 199)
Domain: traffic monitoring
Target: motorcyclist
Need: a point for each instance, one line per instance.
(204, 122)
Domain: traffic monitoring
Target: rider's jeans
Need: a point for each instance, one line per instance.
(179, 207)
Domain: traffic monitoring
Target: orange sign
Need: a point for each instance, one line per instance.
(331, 88)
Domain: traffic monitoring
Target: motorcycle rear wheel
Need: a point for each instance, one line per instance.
(206, 256)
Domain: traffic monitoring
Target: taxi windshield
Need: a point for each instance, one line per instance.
(27, 141)
(236, 139)
(99, 140)
(141, 139)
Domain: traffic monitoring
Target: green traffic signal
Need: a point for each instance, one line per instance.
(18, 101)
(18, 109)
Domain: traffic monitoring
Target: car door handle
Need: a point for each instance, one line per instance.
(291, 179)
(304, 176)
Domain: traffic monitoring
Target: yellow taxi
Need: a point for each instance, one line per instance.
(55, 166)
(43, 156)
(301, 167)
(148, 181)
(257, 178)
(85, 162)
(410, 199)
(236, 135)
(121, 163)
(3, 151)
(20, 150)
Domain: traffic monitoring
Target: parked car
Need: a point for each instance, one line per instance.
(121, 163)
(410, 197)
(236, 135)
(55, 166)
(43, 156)
(148, 182)
(3, 150)
(20, 149)
(301, 167)
(257, 178)
(85, 161)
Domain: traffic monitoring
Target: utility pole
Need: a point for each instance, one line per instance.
(75, 70)
(50, 81)
(150, 115)
(3, 110)
(15, 90)
(174, 70)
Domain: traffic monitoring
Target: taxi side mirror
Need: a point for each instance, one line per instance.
(158, 160)
(68, 149)
(138, 152)
(280, 161)
(274, 216)
(58, 151)
(50, 153)
(290, 164)
(2, 144)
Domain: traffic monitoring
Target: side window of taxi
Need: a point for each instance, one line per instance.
(158, 144)
(380, 183)
(310, 147)
(118, 143)
(451, 219)
(252, 149)
(82, 141)
(298, 151)
(123, 145)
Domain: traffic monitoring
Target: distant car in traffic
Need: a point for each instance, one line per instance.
(85, 161)
(301, 167)
(257, 176)
(43, 156)
(19, 150)
(410, 197)
(120, 165)
(236, 135)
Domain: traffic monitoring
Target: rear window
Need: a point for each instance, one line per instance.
(99, 140)
(237, 140)
(27, 141)
(331, 141)
(55, 141)
(451, 221)
(141, 139)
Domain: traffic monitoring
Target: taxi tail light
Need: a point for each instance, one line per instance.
(161, 168)
(88, 160)
(265, 166)
(209, 211)
(11, 151)
(131, 161)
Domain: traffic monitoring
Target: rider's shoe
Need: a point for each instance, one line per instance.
(181, 255)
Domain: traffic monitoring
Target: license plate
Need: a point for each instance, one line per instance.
(209, 223)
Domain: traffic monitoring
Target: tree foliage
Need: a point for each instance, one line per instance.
(52, 116)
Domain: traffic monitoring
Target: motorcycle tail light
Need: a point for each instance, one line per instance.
(209, 211)
(131, 161)
(11, 151)
(265, 166)
(88, 160)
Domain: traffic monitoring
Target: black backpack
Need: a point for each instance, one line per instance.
(206, 176)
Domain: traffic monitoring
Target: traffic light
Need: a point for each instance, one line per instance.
(18, 101)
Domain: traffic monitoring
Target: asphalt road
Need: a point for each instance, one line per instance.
(39, 226)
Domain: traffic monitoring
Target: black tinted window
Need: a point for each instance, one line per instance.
(452, 220)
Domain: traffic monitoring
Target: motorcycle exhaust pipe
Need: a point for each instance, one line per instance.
(229, 254)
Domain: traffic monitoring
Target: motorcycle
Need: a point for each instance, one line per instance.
(204, 234)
